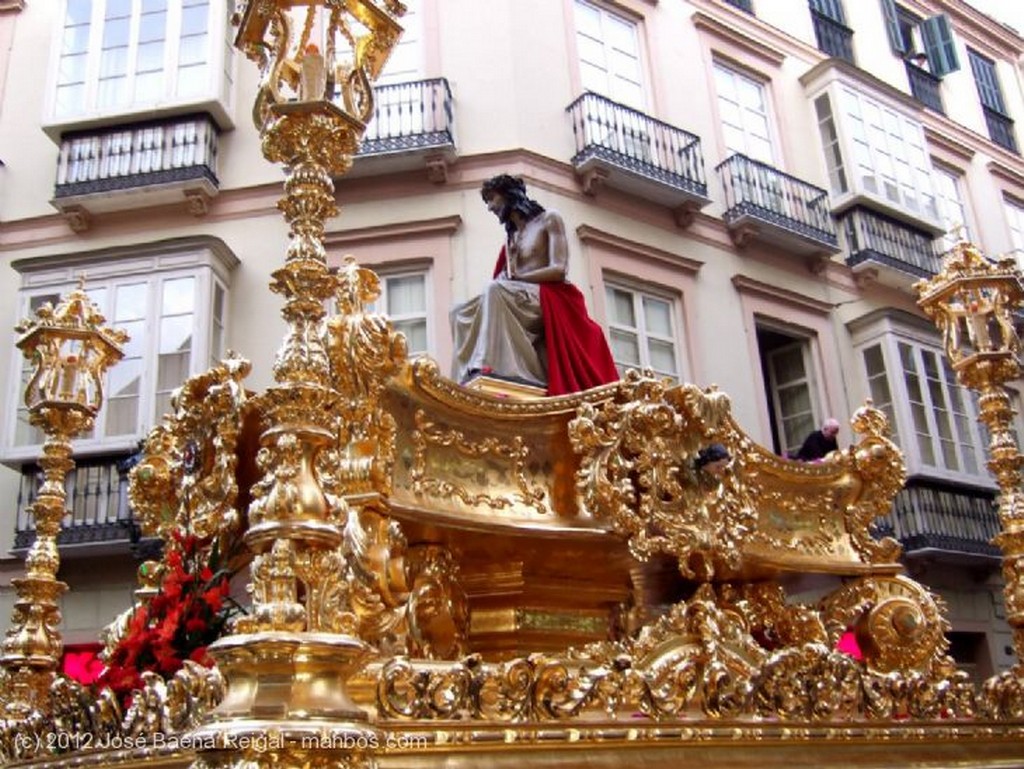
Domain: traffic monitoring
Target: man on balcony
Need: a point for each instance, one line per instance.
(530, 325)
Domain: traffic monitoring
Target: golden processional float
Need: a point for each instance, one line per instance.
(443, 578)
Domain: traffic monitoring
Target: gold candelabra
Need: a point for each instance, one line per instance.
(972, 302)
(324, 436)
(70, 350)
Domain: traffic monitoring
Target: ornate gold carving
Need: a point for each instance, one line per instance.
(972, 302)
(70, 350)
(638, 472)
(738, 652)
(187, 477)
(512, 451)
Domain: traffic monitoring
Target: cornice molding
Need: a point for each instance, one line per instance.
(948, 145)
(757, 48)
(589, 235)
(12, 6)
(747, 285)
(444, 225)
(846, 72)
(982, 31)
(157, 248)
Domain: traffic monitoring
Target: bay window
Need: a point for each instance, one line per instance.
(173, 308)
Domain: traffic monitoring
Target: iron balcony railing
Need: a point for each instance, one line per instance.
(755, 189)
(97, 502)
(410, 116)
(925, 518)
(874, 237)
(834, 38)
(178, 149)
(634, 142)
(1000, 129)
(924, 86)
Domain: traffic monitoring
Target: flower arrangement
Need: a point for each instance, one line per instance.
(191, 610)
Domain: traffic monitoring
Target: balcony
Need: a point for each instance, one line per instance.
(834, 38)
(97, 501)
(949, 525)
(763, 203)
(925, 87)
(1000, 129)
(412, 126)
(887, 250)
(622, 148)
(132, 166)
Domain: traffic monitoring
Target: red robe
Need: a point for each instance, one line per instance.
(578, 354)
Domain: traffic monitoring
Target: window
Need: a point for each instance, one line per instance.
(789, 379)
(833, 36)
(609, 55)
(1015, 219)
(115, 55)
(404, 299)
(880, 152)
(927, 43)
(641, 329)
(1000, 126)
(405, 63)
(917, 389)
(743, 111)
(175, 317)
(952, 210)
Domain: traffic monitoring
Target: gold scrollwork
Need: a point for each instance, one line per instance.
(514, 451)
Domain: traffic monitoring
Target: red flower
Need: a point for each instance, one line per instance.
(187, 614)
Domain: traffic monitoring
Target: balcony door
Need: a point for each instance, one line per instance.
(791, 387)
(746, 130)
(608, 46)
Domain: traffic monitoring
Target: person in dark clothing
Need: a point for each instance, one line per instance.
(820, 442)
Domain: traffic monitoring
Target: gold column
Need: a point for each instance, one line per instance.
(287, 664)
(972, 301)
(70, 351)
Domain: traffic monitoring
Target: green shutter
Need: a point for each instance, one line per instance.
(938, 44)
(892, 26)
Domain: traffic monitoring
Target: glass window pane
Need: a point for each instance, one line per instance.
(130, 302)
(407, 294)
(122, 416)
(179, 296)
(193, 20)
(663, 356)
(620, 307)
(175, 334)
(658, 316)
(625, 348)
(172, 370)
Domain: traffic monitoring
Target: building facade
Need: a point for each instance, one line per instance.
(750, 187)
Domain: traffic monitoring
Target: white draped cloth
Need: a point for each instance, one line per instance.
(501, 331)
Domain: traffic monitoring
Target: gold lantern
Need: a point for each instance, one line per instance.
(70, 351)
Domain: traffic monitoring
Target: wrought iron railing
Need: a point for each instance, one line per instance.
(924, 86)
(753, 188)
(410, 116)
(128, 156)
(97, 501)
(1000, 129)
(834, 38)
(874, 237)
(924, 518)
(631, 140)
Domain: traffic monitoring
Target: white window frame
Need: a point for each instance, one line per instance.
(383, 305)
(809, 381)
(1014, 211)
(208, 266)
(883, 155)
(747, 116)
(638, 294)
(952, 204)
(889, 333)
(638, 100)
(216, 96)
